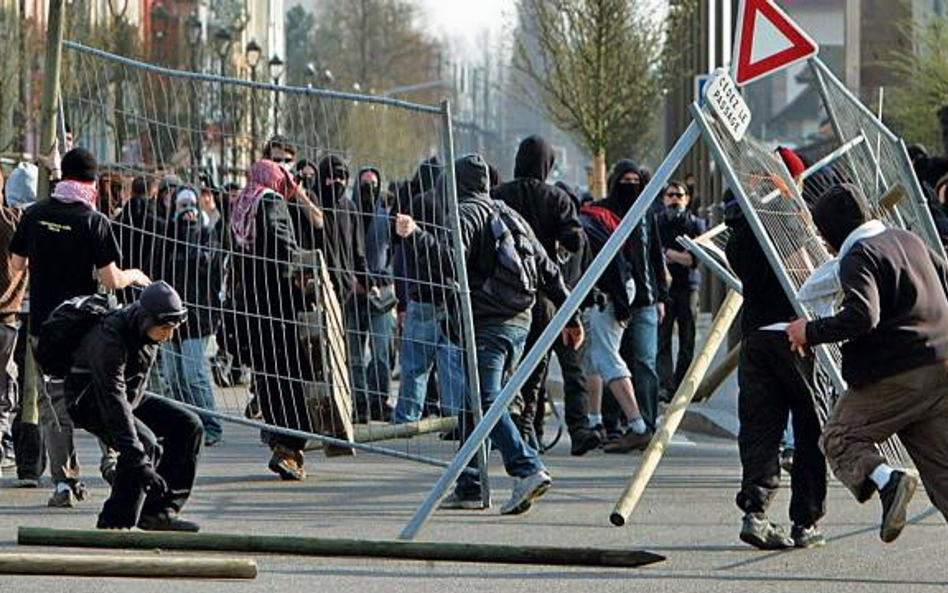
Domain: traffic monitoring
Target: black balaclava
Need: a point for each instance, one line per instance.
(839, 211)
(332, 167)
(623, 195)
(369, 192)
(308, 183)
(535, 158)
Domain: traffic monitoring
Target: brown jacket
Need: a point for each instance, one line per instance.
(12, 284)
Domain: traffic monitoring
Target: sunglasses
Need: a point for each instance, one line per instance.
(284, 160)
(674, 194)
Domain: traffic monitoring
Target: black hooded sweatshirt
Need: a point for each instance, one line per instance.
(341, 238)
(475, 208)
(428, 271)
(113, 361)
(644, 245)
(547, 209)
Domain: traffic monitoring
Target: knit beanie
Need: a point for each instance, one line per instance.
(792, 160)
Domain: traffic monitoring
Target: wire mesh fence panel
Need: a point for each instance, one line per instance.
(776, 211)
(877, 161)
(308, 316)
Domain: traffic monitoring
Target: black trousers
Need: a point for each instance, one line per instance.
(532, 397)
(680, 309)
(774, 382)
(172, 437)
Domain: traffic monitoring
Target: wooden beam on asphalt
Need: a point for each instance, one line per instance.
(380, 431)
(310, 546)
(154, 566)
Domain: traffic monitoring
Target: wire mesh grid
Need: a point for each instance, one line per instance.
(308, 317)
(774, 205)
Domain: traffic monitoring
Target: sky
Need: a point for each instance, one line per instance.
(463, 21)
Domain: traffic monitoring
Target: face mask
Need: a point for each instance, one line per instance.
(368, 192)
(628, 193)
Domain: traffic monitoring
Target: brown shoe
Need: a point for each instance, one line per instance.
(630, 441)
(287, 463)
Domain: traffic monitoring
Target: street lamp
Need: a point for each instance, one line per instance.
(195, 31)
(276, 71)
(252, 52)
(222, 44)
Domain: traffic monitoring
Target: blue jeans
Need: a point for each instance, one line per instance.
(640, 351)
(189, 379)
(498, 350)
(371, 375)
(423, 342)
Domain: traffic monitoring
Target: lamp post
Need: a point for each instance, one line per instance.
(252, 52)
(222, 43)
(276, 71)
(195, 31)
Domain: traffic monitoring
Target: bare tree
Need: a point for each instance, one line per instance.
(597, 66)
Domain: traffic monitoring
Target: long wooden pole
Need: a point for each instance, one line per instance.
(676, 409)
(375, 432)
(88, 565)
(308, 546)
(719, 375)
(51, 72)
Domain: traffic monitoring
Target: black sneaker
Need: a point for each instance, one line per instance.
(166, 521)
(786, 460)
(807, 536)
(895, 497)
(600, 430)
(757, 531)
(584, 441)
(628, 442)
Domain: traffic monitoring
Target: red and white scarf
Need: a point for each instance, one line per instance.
(68, 191)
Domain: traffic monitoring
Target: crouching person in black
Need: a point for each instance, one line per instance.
(106, 394)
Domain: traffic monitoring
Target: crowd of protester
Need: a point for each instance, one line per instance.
(223, 284)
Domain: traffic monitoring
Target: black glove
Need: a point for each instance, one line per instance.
(151, 481)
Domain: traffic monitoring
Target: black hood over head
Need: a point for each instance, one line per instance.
(364, 200)
(426, 177)
(472, 177)
(622, 196)
(535, 158)
(330, 167)
(839, 211)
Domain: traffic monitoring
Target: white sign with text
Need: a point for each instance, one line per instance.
(727, 104)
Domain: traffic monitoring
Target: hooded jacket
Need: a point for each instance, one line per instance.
(375, 223)
(475, 208)
(341, 239)
(645, 249)
(547, 209)
(113, 362)
(426, 271)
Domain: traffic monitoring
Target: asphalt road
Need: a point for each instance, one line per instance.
(687, 515)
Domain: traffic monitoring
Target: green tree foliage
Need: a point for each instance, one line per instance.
(599, 67)
(924, 83)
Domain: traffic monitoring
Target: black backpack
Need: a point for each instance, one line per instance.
(515, 276)
(61, 333)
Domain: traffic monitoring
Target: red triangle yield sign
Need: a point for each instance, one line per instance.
(760, 52)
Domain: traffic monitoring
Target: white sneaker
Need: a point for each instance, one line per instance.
(525, 491)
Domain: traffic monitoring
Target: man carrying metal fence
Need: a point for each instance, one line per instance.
(893, 321)
(506, 265)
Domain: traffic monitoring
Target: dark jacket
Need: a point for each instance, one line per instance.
(341, 238)
(475, 209)
(428, 272)
(194, 268)
(376, 226)
(645, 249)
(113, 361)
(599, 223)
(547, 209)
(684, 278)
(765, 301)
(894, 315)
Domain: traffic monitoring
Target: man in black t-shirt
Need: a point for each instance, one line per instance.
(67, 244)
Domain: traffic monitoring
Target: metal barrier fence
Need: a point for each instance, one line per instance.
(316, 322)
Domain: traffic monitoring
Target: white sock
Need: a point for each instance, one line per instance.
(637, 425)
(62, 487)
(595, 419)
(880, 475)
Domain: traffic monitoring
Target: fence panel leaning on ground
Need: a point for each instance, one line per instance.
(289, 267)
